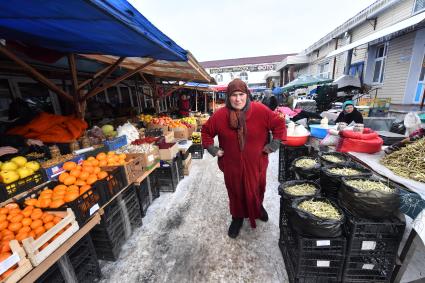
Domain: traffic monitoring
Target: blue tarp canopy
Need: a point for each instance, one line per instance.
(112, 27)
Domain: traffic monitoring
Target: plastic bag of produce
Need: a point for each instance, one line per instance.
(332, 158)
(306, 168)
(330, 177)
(412, 122)
(291, 190)
(330, 140)
(398, 127)
(317, 217)
(369, 198)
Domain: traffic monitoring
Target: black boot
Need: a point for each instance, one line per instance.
(235, 227)
(264, 216)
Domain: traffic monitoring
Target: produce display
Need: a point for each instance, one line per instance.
(332, 158)
(57, 160)
(129, 131)
(108, 131)
(145, 118)
(17, 168)
(306, 163)
(409, 161)
(367, 185)
(96, 135)
(196, 138)
(345, 171)
(320, 209)
(190, 120)
(301, 190)
(145, 140)
(140, 148)
(76, 180)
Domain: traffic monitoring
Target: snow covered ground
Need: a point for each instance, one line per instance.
(184, 236)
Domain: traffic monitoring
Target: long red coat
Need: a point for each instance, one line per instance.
(244, 171)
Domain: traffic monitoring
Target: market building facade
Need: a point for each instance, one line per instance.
(255, 71)
(383, 45)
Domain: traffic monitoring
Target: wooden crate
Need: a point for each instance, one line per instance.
(32, 246)
(18, 257)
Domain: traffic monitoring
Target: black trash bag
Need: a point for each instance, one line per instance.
(330, 183)
(308, 224)
(287, 199)
(398, 127)
(370, 204)
(325, 162)
(310, 173)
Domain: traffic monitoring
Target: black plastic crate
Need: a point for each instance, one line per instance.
(153, 186)
(376, 268)
(167, 176)
(132, 206)
(142, 191)
(116, 180)
(179, 160)
(314, 258)
(197, 151)
(83, 264)
(10, 190)
(366, 237)
(83, 206)
(287, 154)
(283, 218)
(108, 250)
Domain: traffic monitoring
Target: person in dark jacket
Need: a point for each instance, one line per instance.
(349, 114)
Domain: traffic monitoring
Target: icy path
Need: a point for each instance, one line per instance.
(184, 236)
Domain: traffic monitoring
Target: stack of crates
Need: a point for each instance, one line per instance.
(310, 259)
(143, 196)
(80, 262)
(132, 205)
(287, 154)
(372, 248)
(154, 191)
(109, 236)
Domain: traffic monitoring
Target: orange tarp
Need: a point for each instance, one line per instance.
(52, 128)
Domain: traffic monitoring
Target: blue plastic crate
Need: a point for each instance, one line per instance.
(116, 143)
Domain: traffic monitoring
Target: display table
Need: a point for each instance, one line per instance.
(412, 203)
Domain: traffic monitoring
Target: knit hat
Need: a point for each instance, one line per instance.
(348, 102)
(237, 85)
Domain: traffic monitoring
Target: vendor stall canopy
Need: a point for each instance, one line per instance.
(301, 81)
(112, 27)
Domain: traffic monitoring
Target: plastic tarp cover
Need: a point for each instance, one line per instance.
(111, 27)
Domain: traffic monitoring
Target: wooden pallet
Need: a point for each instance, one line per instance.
(32, 246)
(18, 257)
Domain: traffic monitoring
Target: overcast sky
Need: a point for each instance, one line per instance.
(224, 29)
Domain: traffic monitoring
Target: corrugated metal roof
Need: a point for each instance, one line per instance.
(244, 61)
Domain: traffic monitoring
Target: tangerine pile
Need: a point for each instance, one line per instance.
(76, 180)
(19, 224)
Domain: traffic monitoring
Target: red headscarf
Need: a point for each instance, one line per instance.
(237, 117)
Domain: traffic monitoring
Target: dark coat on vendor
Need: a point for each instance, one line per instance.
(245, 147)
(349, 114)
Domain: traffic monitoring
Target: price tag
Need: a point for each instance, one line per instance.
(368, 266)
(323, 263)
(368, 245)
(9, 262)
(151, 158)
(94, 208)
(322, 243)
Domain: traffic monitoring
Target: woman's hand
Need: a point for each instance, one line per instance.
(34, 142)
(220, 153)
(7, 150)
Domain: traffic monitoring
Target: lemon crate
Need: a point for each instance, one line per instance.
(32, 247)
(18, 257)
(10, 190)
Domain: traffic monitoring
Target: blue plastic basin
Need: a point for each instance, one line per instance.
(319, 131)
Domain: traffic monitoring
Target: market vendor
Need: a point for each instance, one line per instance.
(184, 105)
(349, 114)
(11, 145)
(242, 128)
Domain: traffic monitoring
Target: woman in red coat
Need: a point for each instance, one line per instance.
(243, 128)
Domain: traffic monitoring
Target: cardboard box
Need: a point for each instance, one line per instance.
(190, 131)
(169, 153)
(150, 158)
(181, 133)
(157, 126)
(187, 160)
(169, 137)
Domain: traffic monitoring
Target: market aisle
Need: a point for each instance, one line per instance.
(184, 236)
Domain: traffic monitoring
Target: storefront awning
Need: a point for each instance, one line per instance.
(292, 60)
(380, 34)
(189, 70)
(87, 27)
